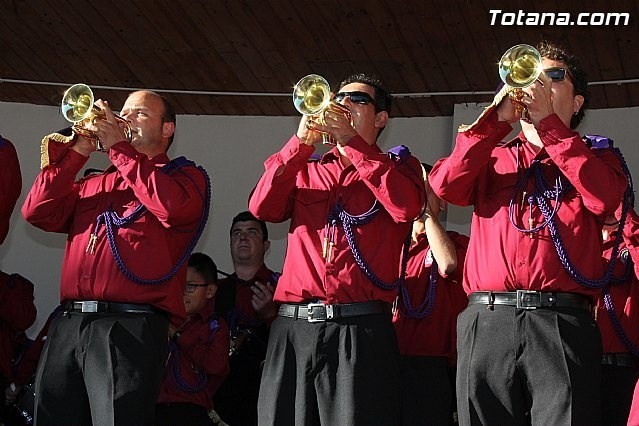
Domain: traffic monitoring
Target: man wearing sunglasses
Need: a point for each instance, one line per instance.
(529, 349)
(332, 356)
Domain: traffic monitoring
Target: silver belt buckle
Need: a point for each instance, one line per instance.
(90, 306)
(525, 304)
(318, 312)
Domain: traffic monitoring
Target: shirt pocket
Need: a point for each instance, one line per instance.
(495, 193)
(310, 208)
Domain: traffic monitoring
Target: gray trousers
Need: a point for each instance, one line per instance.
(101, 369)
(522, 367)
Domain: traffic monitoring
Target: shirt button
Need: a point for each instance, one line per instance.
(86, 277)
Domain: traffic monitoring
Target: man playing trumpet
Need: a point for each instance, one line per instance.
(529, 349)
(332, 356)
(129, 229)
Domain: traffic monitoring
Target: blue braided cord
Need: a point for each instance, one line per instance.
(428, 304)
(202, 379)
(628, 199)
(176, 376)
(113, 220)
(566, 262)
(616, 324)
(339, 216)
(556, 194)
(562, 186)
(624, 255)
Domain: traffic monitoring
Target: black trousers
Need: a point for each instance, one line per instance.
(520, 367)
(343, 372)
(236, 399)
(181, 413)
(617, 389)
(101, 369)
(427, 394)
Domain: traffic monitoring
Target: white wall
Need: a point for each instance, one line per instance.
(232, 149)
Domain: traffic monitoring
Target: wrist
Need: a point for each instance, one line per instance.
(430, 218)
(82, 151)
(304, 139)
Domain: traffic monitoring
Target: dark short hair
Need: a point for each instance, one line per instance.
(247, 216)
(204, 266)
(555, 52)
(383, 99)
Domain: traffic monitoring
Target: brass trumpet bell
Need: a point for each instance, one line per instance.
(78, 108)
(77, 103)
(312, 97)
(520, 66)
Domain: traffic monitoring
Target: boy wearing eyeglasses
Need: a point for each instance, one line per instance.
(198, 351)
(332, 355)
(529, 349)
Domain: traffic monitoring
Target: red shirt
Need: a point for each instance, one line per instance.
(483, 174)
(17, 313)
(291, 188)
(10, 184)
(240, 311)
(633, 418)
(434, 335)
(625, 299)
(150, 246)
(203, 347)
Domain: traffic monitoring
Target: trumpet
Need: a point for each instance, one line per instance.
(520, 67)
(78, 108)
(312, 97)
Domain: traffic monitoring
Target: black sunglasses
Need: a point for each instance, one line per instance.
(361, 98)
(558, 74)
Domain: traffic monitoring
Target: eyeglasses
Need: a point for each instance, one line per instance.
(361, 98)
(190, 287)
(558, 74)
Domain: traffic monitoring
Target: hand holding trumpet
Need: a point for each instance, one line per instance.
(332, 121)
(528, 87)
(536, 100)
(106, 128)
(89, 120)
(323, 119)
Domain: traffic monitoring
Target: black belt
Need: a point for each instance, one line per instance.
(528, 299)
(316, 312)
(98, 306)
(622, 359)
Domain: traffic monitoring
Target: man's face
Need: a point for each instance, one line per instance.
(144, 112)
(366, 121)
(564, 101)
(196, 298)
(247, 242)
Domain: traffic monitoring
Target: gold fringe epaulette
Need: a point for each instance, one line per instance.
(496, 101)
(44, 146)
